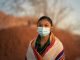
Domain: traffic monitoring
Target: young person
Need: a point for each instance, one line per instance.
(45, 46)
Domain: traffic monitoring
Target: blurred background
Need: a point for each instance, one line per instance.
(18, 19)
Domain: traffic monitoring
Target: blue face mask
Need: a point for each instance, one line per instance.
(43, 31)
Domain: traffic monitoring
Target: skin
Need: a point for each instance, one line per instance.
(43, 23)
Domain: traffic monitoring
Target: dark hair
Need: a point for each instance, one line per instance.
(47, 18)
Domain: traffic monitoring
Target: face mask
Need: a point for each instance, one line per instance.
(43, 31)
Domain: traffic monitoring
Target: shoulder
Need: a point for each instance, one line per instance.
(57, 39)
(58, 42)
(32, 42)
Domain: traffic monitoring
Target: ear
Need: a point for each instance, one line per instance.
(52, 28)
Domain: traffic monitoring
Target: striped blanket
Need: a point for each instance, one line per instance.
(53, 52)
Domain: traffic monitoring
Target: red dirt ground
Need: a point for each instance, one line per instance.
(14, 42)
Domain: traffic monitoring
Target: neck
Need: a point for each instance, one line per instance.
(45, 37)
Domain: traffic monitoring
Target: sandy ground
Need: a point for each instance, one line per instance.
(14, 42)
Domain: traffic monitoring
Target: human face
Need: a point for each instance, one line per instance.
(44, 27)
(44, 23)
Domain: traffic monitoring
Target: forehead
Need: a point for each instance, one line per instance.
(44, 21)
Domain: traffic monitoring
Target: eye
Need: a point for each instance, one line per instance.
(46, 25)
(40, 25)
